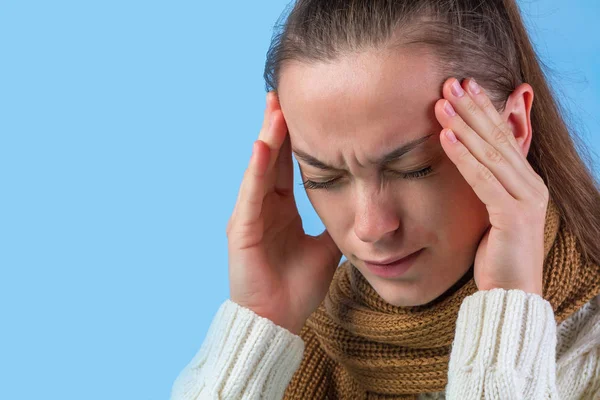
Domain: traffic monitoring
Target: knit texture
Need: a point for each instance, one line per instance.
(235, 362)
(360, 347)
(514, 351)
(244, 355)
(506, 345)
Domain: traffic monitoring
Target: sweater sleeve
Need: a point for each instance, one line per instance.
(504, 348)
(244, 356)
(578, 353)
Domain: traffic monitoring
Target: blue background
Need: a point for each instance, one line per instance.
(125, 128)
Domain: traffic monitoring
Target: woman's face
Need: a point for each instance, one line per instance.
(349, 115)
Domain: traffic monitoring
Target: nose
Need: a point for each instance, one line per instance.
(375, 218)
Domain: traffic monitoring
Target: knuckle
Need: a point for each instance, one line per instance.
(541, 201)
(499, 135)
(504, 127)
(464, 155)
(486, 104)
(471, 107)
(463, 126)
(546, 193)
(543, 188)
(542, 193)
(541, 180)
(484, 174)
(493, 155)
(509, 136)
(246, 175)
(249, 176)
(542, 204)
(229, 226)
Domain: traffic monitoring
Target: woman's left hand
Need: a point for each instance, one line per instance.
(511, 253)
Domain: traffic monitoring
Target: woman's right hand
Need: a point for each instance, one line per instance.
(275, 268)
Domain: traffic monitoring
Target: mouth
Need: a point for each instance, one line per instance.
(394, 267)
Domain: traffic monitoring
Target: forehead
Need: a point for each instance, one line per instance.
(367, 102)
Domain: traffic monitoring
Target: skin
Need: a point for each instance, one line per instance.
(351, 112)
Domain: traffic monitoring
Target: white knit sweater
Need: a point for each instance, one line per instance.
(506, 346)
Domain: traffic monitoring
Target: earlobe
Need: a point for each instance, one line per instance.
(517, 115)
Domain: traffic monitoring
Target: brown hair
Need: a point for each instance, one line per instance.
(486, 40)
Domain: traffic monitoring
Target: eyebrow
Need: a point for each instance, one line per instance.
(389, 158)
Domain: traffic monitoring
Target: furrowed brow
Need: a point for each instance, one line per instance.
(389, 158)
(312, 161)
(395, 155)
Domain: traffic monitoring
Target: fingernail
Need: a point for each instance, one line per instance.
(474, 87)
(456, 89)
(449, 109)
(450, 135)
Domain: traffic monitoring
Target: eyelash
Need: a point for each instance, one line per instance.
(308, 184)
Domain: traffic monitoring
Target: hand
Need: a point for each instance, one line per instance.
(275, 269)
(511, 253)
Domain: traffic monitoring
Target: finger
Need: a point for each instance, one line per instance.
(276, 136)
(500, 163)
(482, 100)
(271, 105)
(482, 152)
(495, 133)
(265, 137)
(493, 128)
(273, 137)
(252, 189)
(480, 97)
(237, 201)
(487, 187)
(270, 110)
(284, 182)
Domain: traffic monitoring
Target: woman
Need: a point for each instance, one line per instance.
(469, 222)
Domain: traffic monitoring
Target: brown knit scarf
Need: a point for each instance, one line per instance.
(357, 346)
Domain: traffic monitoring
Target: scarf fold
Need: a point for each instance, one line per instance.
(358, 346)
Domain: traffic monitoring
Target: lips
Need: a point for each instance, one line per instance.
(390, 269)
(389, 260)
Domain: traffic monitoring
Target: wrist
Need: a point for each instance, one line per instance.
(291, 326)
(534, 289)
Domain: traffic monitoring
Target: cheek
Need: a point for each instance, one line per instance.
(464, 217)
(452, 190)
(333, 210)
(448, 209)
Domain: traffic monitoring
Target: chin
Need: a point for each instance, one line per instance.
(408, 302)
(418, 292)
(404, 294)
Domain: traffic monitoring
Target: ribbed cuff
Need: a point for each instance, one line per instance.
(244, 356)
(505, 345)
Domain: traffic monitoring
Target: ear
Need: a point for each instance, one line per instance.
(517, 114)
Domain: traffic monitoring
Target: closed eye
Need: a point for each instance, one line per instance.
(415, 174)
(313, 185)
